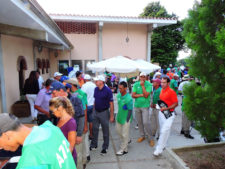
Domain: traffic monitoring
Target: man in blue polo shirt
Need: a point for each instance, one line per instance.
(103, 101)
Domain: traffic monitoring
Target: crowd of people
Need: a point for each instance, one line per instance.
(70, 111)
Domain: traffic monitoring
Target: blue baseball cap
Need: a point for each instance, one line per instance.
(63, 78)
(56, 85)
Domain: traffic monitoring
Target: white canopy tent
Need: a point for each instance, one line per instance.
(119, 65)
(146, 67)
(123, 66)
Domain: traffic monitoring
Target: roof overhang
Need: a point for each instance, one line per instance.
(114, 19)
(28, 16)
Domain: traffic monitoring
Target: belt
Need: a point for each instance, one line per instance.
(99, 111)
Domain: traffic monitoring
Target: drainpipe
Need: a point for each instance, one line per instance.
(100, 26)
(2, 80)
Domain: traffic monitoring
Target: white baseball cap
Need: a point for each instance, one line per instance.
(157, 73)
(100, 77)
(57, 74)
(143, 74)
(87, 77)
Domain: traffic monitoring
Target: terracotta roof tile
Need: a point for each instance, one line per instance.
(114, 17)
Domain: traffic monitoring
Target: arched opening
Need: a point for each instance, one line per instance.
(21, 67)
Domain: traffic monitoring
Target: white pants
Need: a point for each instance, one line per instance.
(81, 153)
(31, 99)
(86, 139)
(165, 127)
(123, 131)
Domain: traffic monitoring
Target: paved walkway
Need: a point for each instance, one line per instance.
(140, 154)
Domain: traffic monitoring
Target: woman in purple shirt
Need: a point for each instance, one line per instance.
(63, 109)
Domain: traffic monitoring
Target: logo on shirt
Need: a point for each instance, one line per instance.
(62, 154)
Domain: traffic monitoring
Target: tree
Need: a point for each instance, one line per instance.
(204, 32)
(166, 40)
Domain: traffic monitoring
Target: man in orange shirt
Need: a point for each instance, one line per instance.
(169, 97)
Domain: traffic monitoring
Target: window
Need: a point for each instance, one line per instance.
(63, 65)
(79, 63)
(87, 71)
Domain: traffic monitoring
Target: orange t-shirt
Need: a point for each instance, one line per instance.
(170, 75)
(169, 96)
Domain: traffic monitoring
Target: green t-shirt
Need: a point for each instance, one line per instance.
(174, 85)
(142, 102)
(125, 103)
(83, 97)
(156, 94)
(179, 73)
(46, 148)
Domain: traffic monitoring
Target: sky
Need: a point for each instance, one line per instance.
(115, 8)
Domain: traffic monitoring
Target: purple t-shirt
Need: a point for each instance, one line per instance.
(43, 99)
(70, 125)
(102, 98)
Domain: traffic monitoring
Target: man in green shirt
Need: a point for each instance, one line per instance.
(44, 146)
(124, 117)
(141, 93)
(174, 84)
(155, 112)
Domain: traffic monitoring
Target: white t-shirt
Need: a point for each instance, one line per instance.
(89, 88)
(180, 88)
(40, 82)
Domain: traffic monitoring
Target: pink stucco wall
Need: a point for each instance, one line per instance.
(12, 48)
(114, 40)
(85, 46)
(113, 44)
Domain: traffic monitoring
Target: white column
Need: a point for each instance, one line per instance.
(100, 26)
(2, 80)
(149, 39)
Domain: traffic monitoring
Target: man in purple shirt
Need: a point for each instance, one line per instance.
(42, 103)
(103, 101)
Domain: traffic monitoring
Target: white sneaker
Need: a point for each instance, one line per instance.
(136, 127)
(156, 153)
(121, 152)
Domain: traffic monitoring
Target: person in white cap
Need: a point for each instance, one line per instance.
(57, 76)
(157, 75)
(89, 88)
(103, 101)
(186, 123)
(141, 93)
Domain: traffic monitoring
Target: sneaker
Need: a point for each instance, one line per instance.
(151, 143)
(121, 152)
(104, 152)
(129, 141)
(136, 127)
(188, 136)
(93, 148)
(88, 159)
(90, 137)
(140, 139)
(156, 153)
